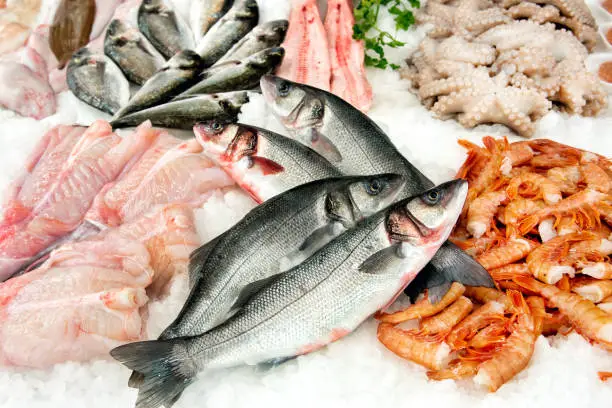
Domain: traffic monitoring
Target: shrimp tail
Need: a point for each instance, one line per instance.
(529, 283)
(528, 223)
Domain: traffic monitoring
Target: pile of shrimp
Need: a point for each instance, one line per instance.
(538, 217)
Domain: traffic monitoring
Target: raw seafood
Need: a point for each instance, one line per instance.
(267, 35)
(164, 27)
(71, 27)
(25, 92)
(205, 13)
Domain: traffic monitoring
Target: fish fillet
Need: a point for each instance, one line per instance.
(348, 76)
(306, 50)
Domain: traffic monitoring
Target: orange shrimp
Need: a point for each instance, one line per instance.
(519, 208)
(431, 354)
(482, 212)
(566, 224)
(516, 352)
(490, 171)
(484, 295)
(509, 252)
(567, 178)
(456, 370)
(554, 323)
(595, 177)
(586, 318)
(468, 327)
(545, 188)
(476, 246)
(594, 249)
(549, 261)
(592, 289)
(573, 203)
(443, 322)
(604, 375)
(519, 153)
(605, 211)
(493, 334)
(550, 160)
(424, 308)
(606, 304)
(553, 154)
(475, 162)
(564, 284)
(538, 311)
(509, 271)
(597, 270)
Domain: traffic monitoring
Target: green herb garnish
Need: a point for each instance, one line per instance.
(366, 18)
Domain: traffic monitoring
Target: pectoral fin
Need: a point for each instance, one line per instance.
(250, 290)
(315, 241)
(323, 145)
(267, 166)
(382, 261)
(275, 362)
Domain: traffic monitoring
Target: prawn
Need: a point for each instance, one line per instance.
(476, 246)
(518, 208)
(482, 212)
(564, 284)
(431, 354)
(554, 323)
(493, 334)
(489, 312)
(538, 311)
(443, 322)
(588, 320)
(490, 171)
(606, 304)
(424, 308)
(484, 295)
(456, 370)
(553, 154)
(566, 178)
(604, 375)
(509, 271)
(549, 261)
(595, 290)
(592, 249)
(537, 185)
(566, 224)
(519, 153)
(516, 352)
(595, 177)
(509, 252)
(597, 270)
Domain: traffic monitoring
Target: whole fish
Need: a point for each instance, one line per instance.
(311, 305)
(352, 142)
(226, 32)
(176, 76)
(71, 27)
(97, 81)
(186, 112)
(263, 163)
(164, 27)
(238, 75)
(205, 13)
(132, 52)
(267, 35)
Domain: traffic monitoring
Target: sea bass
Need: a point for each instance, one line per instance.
(352, 142)
(263, 163)
(205, 13)
(164, 27)
(313, 304)
(267, 35)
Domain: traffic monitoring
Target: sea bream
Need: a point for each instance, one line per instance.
(164, 27)
(355, 144)
(266, 35)
(311, 305)
(263, 163)
(205, 13)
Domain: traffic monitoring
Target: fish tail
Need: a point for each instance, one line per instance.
(136, 379)
(165, 367)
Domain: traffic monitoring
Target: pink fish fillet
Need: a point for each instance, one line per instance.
(83, 301)
(306, 50)
(96, 158)
(348, 76)
(25, 92)
(169, 172)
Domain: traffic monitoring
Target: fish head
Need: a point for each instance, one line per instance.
(276, 30)
(231, 102)
(267, 58)
(119, 33)
(152, 6)
(223, 141)
(81, 57)
(428, 219)
(185, 60)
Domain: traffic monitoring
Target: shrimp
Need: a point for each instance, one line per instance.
(545, 188)
(549, 262)
(484, 295)
(456, 370)
(564, 283)
(591, 249)
(493, 334)
(566, 178)
(489, 172)
(586, 318)
(476, 246)
(519, 153)
(538, 311)
(511, 251)
(482, 212)
(433, 355)
(595, 177)
(475, 162)
(510, 285)
(489, 312)
(509, 271)
(443, 322)
(554, 323)
(553, 154)
(592, 289)
(606, 304)
(604, 375)
(597, 270)
(516, 351)
(566, 224)
(424, 308)
(571, 204)
(518, 208)
(550, 160)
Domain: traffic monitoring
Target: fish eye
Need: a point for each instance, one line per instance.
(317, 110)
(433, 197)
(374, 187)
(283, 88)
(216, 126)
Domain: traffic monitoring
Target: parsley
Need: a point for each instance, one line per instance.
(366, 17)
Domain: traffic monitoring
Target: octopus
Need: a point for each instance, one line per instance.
(580, 92)
(573, 9)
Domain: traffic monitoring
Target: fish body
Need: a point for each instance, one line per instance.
(71, 27)
(164, 27)
(184, 113)
(311, 305)
(238, 75)
(97, 81)
(25, 92)
(176, 76)
(132, 52)
(263, 163)
(233, 26)
(264, 36)
(205, 13)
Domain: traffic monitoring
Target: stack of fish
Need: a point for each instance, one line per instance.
(186, 74)
(344, 225)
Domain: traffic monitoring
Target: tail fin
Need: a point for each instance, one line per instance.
(529, 283)
(136, 379)
(165, 367)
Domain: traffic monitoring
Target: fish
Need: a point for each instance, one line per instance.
(263, 163)
(71, 27)
(176, 76)
(353, 143)
(132, 52)
(97, 81)
(346, 54)
(266, 35)
(313, 304)
(164, 28)
(233, 26)
(185, 112)
(238, 75)
(205, 13)
(25, 92)
(307, 60)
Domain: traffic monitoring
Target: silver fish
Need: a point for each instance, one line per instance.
(267, 35)
(164, 27)
(226, 32)
(97, 81)
(263, 163)
(176, 76)
(317, 302)
(132, 52)
(205, 13)
(186, 112)
(352, 142)
(238, 75)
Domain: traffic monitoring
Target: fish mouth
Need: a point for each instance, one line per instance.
(268, 88)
